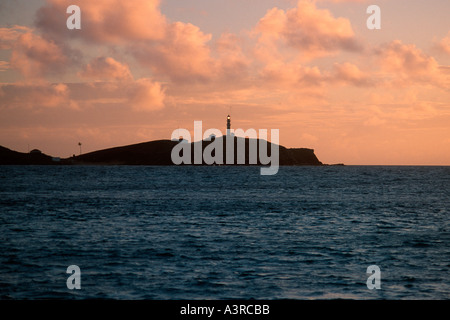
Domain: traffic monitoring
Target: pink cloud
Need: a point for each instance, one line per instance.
(349, 73)
(10, 35)
(283, 74)
(105, 21)
(406, 63)
(36, 96)
(183, 55)
(146, 95)
(311, 31)
(4, 65)
(174, 50)
(406, 58)
(106, 68)
(34, 56)
(444, 44)
(139, 95)
(232, 62)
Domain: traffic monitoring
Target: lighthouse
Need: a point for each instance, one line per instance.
(228, 125)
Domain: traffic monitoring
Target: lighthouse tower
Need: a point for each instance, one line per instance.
(228, 125)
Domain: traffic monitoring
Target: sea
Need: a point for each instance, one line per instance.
(224, 232)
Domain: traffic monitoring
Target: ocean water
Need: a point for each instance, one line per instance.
(224, 232)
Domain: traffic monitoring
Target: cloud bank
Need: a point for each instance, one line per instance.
(132, 71)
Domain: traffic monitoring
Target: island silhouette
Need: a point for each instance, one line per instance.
(156, 152)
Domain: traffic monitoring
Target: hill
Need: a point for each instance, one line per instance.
(35, 157)
(159, 153)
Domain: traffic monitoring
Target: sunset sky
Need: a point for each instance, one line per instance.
(137, 70)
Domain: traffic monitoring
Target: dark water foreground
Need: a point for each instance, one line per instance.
(224, 232)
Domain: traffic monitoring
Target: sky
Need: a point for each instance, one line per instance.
(138, 70)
